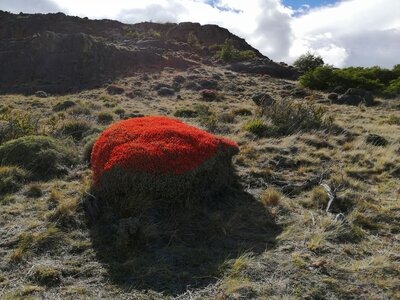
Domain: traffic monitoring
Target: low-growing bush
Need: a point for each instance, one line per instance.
(229, 53)
(105, 118)
(290, 116)
(257, 127)
(42, 156)
(11, 178)
(185, 113)
(74, 128)
(15, 124)
(64, 105)
(373, 79)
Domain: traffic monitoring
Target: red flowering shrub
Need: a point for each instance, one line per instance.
(154, 145)
(158, 157)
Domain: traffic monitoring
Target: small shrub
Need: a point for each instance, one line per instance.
(257, 127)
(271, 197)
(60, 106)
(11, 179)
(87, 149)
(307, 62)
(319, 199)
(393, 120)
(43, 156)
(79, 110)
(75, 128)
(209, 95)
(186, 113)
(15, 124)
(242, 112)
(120, 112)
(229, 53)
(34, 191)
(46, 275)
(104, 118)
(227, 117)
(288, 117)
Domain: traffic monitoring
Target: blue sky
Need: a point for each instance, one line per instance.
(295, 4)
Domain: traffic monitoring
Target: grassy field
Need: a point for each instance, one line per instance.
(315, 213)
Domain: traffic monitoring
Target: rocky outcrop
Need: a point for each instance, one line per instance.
(265, 67)
(56, 62)
(355, 96)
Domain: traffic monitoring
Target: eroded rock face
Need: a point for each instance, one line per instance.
(56, 62)
(265, 67)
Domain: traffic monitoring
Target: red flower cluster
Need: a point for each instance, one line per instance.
(154, 145)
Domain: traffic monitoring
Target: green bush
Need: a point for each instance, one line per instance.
(87, 149)
(75, 128)
(63, 105)
(104, 118)
(307, 62)
(288, 117)
(11, 179)
(229, 53)
(43, 156)
(185, 113)
(374, 79)
(15, 124)
(257, 127)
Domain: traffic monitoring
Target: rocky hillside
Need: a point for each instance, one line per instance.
(58, 53)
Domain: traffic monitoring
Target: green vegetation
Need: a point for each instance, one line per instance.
(374, 79)
(43, 156)
(257, 127)
(15, 124)
(229, 53)
(64, 105)
(308, 62)
(11, 179)
(75, 128)
(134, 34)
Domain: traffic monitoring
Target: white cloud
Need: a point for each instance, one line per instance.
(352, 32)
(29, 6)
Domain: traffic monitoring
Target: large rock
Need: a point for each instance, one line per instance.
(158, 159)
(61, 62)
(355, 96)
(265, 67)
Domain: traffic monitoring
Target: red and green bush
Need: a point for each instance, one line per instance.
(155, 145)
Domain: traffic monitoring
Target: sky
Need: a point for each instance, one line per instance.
(344, 32)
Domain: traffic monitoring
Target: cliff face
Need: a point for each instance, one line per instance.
(58, 53)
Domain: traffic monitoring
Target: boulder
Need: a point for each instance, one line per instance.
(355, 96)
(333, 96)
(265, 67)
(41, 94)
(164, 91)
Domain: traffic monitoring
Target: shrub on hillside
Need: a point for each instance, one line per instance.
(15, 124)
(307, 62)
(74, 128)
(43, 156)
(373, 79)
(229, 53)
(169, 162)
(288, 117)
(64, 105)
(11, 179)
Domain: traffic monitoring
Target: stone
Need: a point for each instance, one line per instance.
(354, 96)
(164, 91)
(262, 99)
(41, 94)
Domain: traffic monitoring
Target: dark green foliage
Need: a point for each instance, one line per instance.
(230, 53)
(374, 79)
(11, 179)
(63, 105)
(104, 118)
(307, 62)
(74, 128)
(288, 117)
(43, 156)
(185, 113)
(87, 149)
(257, 127)
(15, 124)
